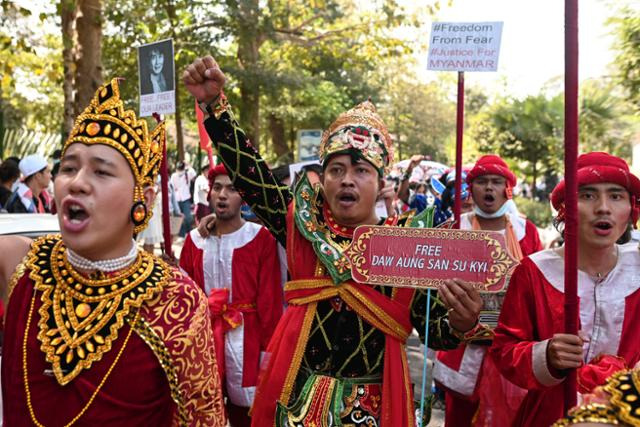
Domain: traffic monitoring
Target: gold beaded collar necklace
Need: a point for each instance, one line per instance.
(80, 317)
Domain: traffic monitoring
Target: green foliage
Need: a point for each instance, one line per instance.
(30, 71)
(605, 124)
(419, 115)
(529, 131)
(626, 28)
(307, 61)
(539, 212)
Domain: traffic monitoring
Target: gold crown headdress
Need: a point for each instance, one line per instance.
(360, 129)
(105, 121)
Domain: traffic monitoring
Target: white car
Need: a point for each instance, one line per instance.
(28, 225)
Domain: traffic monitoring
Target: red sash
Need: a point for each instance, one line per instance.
(224, 317)
(389, 315)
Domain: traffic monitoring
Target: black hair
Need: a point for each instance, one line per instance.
(281, 172)
(13, 159)
(313, 167)
(9, 171)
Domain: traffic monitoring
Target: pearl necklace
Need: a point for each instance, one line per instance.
(104, 265)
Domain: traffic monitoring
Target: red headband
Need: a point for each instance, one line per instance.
(599, 167)
(214, 172)
(491, 164)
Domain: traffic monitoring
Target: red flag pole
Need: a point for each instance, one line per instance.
(164, 185)
(457, 206)
(205, 142)
(571, 306)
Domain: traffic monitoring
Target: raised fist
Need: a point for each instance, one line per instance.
(204, 79)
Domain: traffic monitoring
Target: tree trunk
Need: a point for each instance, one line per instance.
(68, 18)
(292, 141)
(250, 91)
(171, 13)
(89, 55)
(396, 123)
(276, 128)
(249, 41)
(534, 190)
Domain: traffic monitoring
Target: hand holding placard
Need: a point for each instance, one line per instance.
(427, 257)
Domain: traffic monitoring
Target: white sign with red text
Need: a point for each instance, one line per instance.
(464, 46)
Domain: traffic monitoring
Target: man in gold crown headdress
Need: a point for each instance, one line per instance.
(337, 356)
(97, 332)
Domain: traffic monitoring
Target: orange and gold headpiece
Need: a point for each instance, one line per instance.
(362, 132)
(105, 121)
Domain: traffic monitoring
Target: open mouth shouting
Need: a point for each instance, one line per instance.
(489, 199)
(347, 198)
(221, 206)
(603, 227)
(75, 216)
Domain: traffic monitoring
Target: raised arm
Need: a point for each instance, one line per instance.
(403, 190)
(250, 174)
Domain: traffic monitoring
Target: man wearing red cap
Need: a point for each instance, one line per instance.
(237, 267)
(465, 374)
(530, 348)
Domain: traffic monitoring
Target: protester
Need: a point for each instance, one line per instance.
(96, 331)
(530, 348)
(29, 196)
(181, 183)
(338, 351)
(237, 266)
(201, 193)
(466, 375)
(9, 174)
(153, 234)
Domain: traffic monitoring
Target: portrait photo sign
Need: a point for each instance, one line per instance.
(156, 76)
(426, 257)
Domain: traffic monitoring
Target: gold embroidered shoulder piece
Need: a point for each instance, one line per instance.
(80, 317)
(17, 275)
(177, 328)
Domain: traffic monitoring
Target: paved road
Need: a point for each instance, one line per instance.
(415, 356)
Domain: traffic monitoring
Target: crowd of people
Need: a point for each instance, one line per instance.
(259, 321)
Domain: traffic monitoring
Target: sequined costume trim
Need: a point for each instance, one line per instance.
(15, 277)
(249, 173)
(179, 317)
(301, 345)
(624, 388)
(149, 336)
(81, 317)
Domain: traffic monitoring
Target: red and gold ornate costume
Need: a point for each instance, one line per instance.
(337, 356)
(129, 347)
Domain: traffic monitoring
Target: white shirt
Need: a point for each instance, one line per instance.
(181, 180)
(201, 190)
